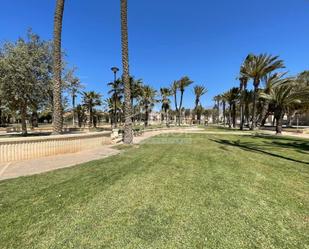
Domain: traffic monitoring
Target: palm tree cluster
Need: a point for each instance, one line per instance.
(272, 93)
(144, 98)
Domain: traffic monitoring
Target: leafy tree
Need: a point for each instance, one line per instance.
(57, 89)
(26, 69)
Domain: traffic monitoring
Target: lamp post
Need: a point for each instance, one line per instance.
(115, 70)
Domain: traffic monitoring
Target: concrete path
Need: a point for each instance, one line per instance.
(36, 166)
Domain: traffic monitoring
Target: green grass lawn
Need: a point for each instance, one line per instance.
(173, 191)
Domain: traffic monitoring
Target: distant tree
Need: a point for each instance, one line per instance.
(73, 86)
(183, 83)
(117, 91)
(232, 96)
(90, 101)
(174, 88)
(217, 100)
(148, 100)
(166, 102)
(199, 91)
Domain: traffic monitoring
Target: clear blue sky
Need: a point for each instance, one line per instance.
(206, 40)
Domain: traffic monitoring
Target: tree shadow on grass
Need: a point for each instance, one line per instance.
(252, 147)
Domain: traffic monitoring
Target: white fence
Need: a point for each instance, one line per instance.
(17, 149)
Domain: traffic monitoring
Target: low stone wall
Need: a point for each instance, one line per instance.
(17, 149)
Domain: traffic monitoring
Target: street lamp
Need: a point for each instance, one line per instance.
(115, 70)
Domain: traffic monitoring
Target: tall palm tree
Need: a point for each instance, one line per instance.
(258, 66)
(199, 91)
(282, 95)
(128, 133)
(91, 100)
(57, 89)
(183, 83)
(148, 100)
(166, 102)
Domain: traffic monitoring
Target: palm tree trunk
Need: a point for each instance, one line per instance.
(224, 113)
(279, 120)
(166, 118)
(57, 89)
(230, 115)
(253, 122)
(234, 115)
(146, 115)
(242, 119)
(179, 110)
(128, 133)
(263, 113)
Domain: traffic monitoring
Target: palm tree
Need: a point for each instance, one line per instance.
(232, 97)
(223, 102)
(91, 100)
(182, 84)
(148, 100)
(283, 94)
(217, 100)
(128, 133)
(114, 107)
(74, 86)
(57, 89)
(136, 91)
(243, 83)
(116, 92)
(174, 88)
(269, 80)
(199, 91)
(166, 102)
(257, 67)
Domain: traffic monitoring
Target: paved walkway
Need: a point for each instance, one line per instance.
(40, 165)
(44, 164)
